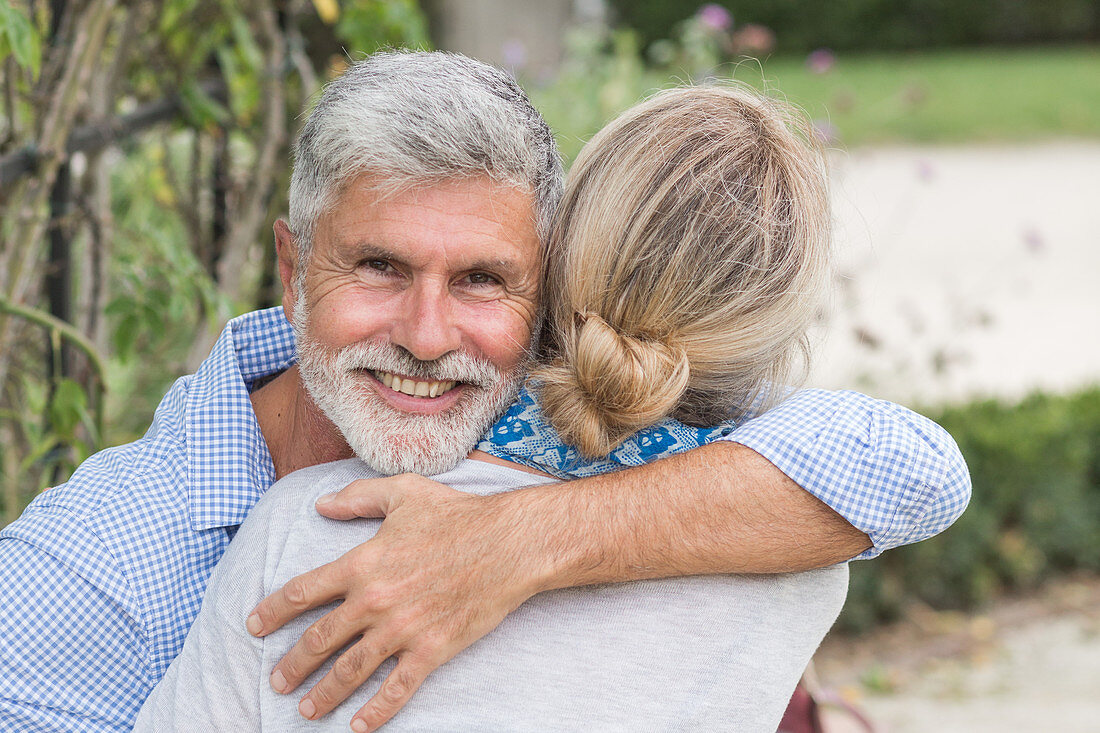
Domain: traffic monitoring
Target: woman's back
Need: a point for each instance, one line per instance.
(694, 653)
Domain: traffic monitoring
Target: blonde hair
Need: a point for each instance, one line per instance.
(685, 266)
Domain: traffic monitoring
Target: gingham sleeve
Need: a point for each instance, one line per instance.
(893, 474)
(214, 684)
(71, 655)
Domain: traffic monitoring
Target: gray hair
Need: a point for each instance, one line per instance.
(413, 118)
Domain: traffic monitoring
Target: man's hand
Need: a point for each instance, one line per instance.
(442, 571)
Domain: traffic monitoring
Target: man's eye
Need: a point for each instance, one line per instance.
(380, 265)
(481, 278)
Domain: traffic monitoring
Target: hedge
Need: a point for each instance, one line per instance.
(802, 25)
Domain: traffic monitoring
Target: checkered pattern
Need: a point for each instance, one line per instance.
(895, 475)
(101, 577)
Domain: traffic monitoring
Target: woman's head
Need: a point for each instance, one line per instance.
(686, 264)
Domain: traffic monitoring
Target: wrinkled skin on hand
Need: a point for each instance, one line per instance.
(444, 569)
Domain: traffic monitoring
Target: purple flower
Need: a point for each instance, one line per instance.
(715, 17)
(754, 39)
(820, 61)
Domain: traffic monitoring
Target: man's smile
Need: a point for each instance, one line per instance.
(413, 395)
(411, 386)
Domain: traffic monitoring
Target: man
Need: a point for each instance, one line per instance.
(458, 179)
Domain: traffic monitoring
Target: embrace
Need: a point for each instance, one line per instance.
(513, 455)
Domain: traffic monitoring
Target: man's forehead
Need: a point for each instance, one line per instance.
(381, 189)
(471, 220)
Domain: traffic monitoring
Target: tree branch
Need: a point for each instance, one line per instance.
(66, 330)
(94, 137)
(26, 234)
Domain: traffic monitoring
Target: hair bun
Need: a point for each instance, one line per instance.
(607, 385)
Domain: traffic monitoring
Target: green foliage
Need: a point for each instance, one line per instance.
(1035, 511)
(161, 294)
(367, 26)
(802, 25)
(19, 38)
(54, 445)
(602, 75)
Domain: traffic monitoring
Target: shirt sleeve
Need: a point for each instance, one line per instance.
(214, 683)
(72, 656)
(893, 474)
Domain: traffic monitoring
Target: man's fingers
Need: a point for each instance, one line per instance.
(320, 641)
(306, 591)
(402, 682)
(348, 673)
(367, 498)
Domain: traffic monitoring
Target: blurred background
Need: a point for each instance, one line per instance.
(144, 155)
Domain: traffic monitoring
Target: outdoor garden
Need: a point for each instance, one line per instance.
(144, 155)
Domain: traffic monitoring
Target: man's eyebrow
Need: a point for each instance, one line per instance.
(372, 251)
(499, 265)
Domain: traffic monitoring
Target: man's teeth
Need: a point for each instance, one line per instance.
(412, 387)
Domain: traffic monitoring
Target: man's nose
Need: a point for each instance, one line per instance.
(426, 326)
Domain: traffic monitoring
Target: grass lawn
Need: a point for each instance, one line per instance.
(974, 95)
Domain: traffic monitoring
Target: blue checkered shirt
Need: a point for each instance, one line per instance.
(100, 578)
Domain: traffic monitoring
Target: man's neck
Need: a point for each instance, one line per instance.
(296, 431)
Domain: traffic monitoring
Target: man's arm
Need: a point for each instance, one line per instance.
(71, 655)
(892, 473)
(446, 567)
(721, 508)
(214, 682)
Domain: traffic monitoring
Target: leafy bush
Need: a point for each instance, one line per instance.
(802, 25)
(1035, 511)
(145, 156)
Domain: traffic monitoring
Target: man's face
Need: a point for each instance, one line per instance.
(415, 317)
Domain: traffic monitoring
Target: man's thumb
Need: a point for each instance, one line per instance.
(363, 498)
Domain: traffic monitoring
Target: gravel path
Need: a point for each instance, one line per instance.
(967, 271)
(1028, 665)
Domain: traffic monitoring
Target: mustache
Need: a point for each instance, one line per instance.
(457, 366)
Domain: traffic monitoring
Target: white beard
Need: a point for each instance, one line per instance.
(389, 440)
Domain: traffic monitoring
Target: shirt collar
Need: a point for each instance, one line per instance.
(228, 463)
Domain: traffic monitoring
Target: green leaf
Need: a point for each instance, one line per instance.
(372, 23)
(19, 37)
(38, 451)
(5, 20)
(203, 109)
(125, 335)
(244, 84)
(119, 306)
(246, 47)
(67, 408)
(174, 12)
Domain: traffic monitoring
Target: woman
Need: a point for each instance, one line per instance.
(689, 258)
(682, 275)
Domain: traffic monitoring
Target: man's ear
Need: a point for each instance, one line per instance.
(286, 249)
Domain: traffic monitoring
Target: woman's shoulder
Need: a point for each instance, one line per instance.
(524, 435)
(306, 485)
